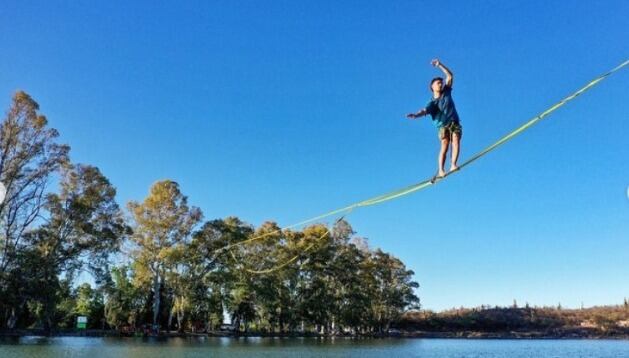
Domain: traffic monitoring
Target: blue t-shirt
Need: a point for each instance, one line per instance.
(442, 109)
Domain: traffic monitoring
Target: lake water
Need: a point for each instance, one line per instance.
(306, 347)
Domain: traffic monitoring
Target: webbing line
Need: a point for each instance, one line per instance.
(422, 185)
(292, 259)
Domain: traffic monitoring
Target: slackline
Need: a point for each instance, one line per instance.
(344, 211)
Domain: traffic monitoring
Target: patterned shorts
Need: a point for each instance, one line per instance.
(449, 129)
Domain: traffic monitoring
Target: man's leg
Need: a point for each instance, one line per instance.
(445, 143)
(456, 141)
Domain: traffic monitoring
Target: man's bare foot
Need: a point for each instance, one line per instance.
(439, 175)
(453, 168)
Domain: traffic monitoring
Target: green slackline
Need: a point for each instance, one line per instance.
(290, 260)
(426, 183)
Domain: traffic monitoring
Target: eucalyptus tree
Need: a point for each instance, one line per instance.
(392, 289)
(291, 254)
(315, 290)
(163, 223)
(83, 227)
(29, 157)
(215, 276)
(265, 288)
(352, 299)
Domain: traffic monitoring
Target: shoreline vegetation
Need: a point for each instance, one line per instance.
(574, 333)
(519, 322)
(607, 322)
(160, 267)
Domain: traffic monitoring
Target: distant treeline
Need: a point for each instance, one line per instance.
(159, 265)
(547, 321)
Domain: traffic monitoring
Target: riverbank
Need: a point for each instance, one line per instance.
(552, 334)
(576, 333)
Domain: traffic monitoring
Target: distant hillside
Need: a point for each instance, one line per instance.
(605, 321)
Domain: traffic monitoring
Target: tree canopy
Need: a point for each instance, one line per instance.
(159, 265)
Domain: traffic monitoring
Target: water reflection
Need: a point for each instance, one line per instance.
(201, 346)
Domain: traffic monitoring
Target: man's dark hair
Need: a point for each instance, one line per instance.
(433, 81)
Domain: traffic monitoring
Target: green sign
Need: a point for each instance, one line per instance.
(81, 322)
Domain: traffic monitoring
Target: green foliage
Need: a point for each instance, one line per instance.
(169, 272)
(163, 223)
(30, 157)
(124, 300)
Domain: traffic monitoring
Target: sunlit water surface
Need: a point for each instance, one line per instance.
(306, 347)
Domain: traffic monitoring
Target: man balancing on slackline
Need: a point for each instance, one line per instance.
(444, 116)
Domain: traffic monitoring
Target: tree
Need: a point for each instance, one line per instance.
(29, 156)
(213, 273)
(392, 289)
(89, 303)
(124, 300)
(353, 300)
(84, 226)
(316, 294)
(163, 222)
(319, 279)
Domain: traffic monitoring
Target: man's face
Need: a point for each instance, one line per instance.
(436, 86)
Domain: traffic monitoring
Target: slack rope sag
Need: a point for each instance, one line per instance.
(290, 260)
(426, 183)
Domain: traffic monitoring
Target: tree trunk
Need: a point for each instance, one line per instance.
(48, 308)
(170, 319)
(180, 316)
(12, 319)
(156, 299)
(47, 321)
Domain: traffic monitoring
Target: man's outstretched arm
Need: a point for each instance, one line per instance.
(418, 114)
(446, 71)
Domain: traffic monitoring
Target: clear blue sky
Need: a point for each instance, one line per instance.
(282, 110)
